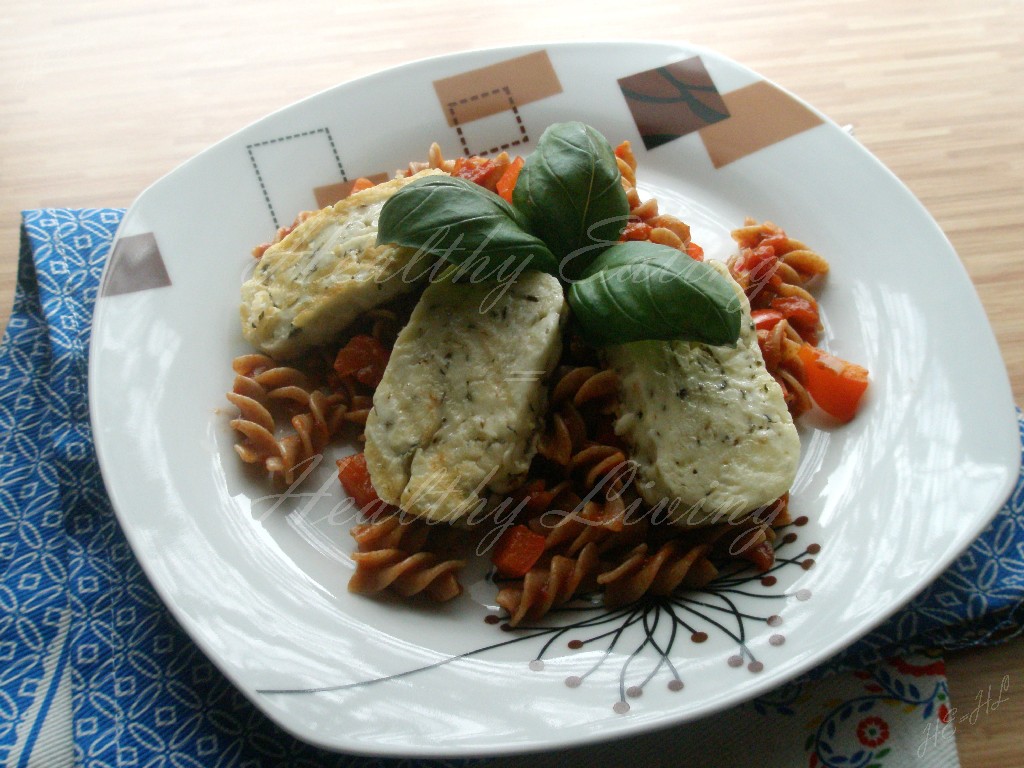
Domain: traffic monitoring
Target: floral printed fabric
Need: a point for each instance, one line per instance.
(895, 713)
(78, 613)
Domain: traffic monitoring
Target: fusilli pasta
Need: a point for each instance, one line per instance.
(640, 573)
(395, 553)
(773, 270)
(548, 585)
(261, 388)
(405, 574)
(645, 222)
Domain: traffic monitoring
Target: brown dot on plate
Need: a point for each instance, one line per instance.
(621, 707)
(802, 520)
(735, 661)
(675, 685)
(807, 564)
(803, 594)
(492, 619)
(699, 637)
(506, 627)
(575, 644)
(573, 681)
(768, 581)
(813, 548)
(774, 620)
(755, 666)
(777, 639)
(634, 691)
(536, 665)
(789, 538)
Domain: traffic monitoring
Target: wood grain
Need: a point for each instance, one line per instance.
(100, 98)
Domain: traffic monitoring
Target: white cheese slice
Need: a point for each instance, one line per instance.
(326, 272)
(458, 411)
(709, 428)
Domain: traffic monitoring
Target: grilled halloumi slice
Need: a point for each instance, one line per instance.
(326, 272)
(462, 400)
(708, 425)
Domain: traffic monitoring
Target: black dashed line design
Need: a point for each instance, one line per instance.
(259, 176)
(263, 187)
(476, 97)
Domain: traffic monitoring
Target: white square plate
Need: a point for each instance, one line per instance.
(259, 581)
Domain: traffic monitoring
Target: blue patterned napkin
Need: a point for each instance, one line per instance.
(93, 670)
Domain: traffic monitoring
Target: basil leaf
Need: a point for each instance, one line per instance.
(465, 224)
(570, 191)
(639, 290)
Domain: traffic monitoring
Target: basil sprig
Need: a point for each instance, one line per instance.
(570, 191)
(465, 224)
(639, 290)
(568, 211)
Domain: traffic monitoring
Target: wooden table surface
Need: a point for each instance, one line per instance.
(100, 98)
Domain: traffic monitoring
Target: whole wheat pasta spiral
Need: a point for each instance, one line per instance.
(405, 574)
(385, 323)
(396, 553)
(263, 388)
(605, 525)
(394, 531)
(316, 405)
(645, 222)
(549, 585)
(661, 573)
(587, 387)
(582, 400)
(798, 264)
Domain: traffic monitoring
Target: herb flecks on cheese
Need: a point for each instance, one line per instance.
(711, 434)
(326, 272)
(461, 403)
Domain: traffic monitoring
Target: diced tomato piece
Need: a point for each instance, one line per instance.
(508, 179)
(636, 230)
(479, 170)
(694, 251)
(538, 498)
(516, 552)
(760, 262)
(762, 556)
(801, 313)
(752, 545)
(770, 352)
(360, 184)
(365, 358)
(836, 385)
(355, 479)
(282, 233)
(766, 319)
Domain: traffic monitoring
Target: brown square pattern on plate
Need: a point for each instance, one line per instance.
(135, 265)
(488, 90)
(671, 101)
(497, 89)
(760, 115)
